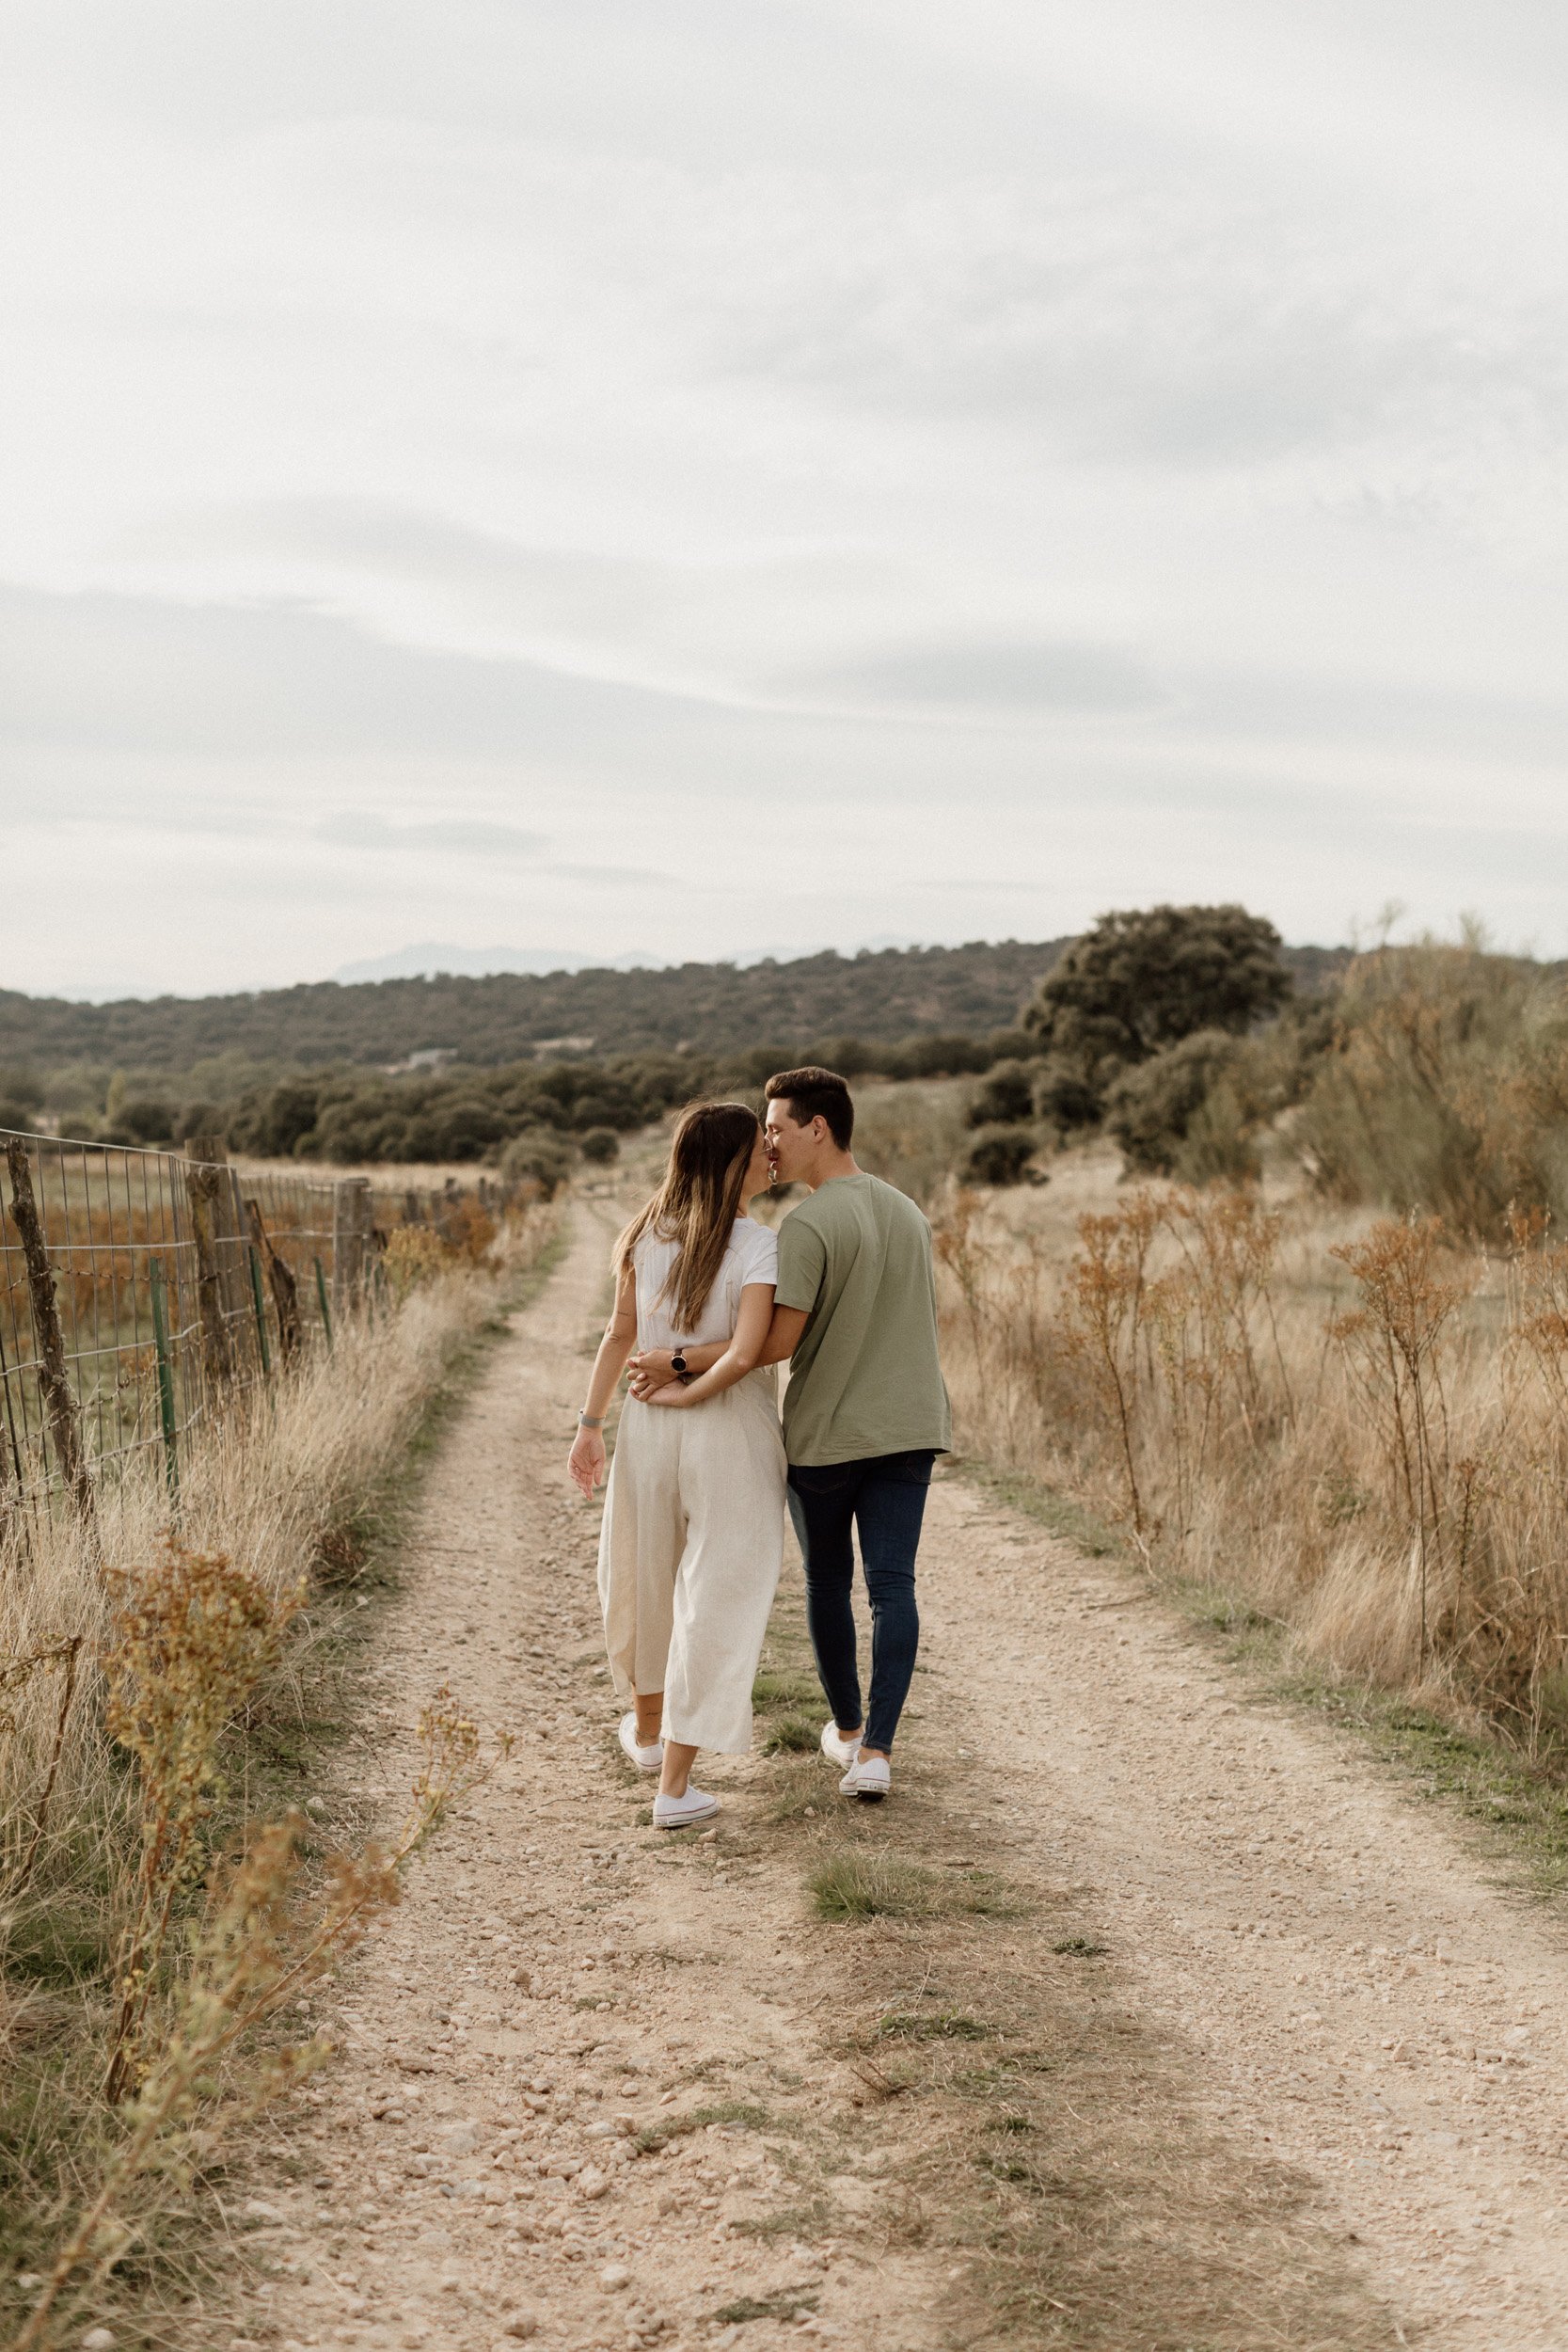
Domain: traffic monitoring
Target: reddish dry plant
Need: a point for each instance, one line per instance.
(192, 1637)
(1411, 1288)
(1159, 1311)
(259, 1945)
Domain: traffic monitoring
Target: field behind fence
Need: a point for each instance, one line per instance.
(140, 1288)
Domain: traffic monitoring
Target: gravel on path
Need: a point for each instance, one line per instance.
(595, 2089)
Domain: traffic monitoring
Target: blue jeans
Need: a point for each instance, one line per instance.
(884, 1499)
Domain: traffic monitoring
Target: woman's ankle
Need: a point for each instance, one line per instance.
(649, 1711)
(679, 1761)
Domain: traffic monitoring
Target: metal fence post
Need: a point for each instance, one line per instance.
(165, 1373)
(60, 1406)
(321, 1300)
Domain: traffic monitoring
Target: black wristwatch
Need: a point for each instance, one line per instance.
(677, 1365)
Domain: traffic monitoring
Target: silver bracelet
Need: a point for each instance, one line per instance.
(586, 1421)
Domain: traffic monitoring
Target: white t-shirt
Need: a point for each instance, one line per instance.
(752, 1256)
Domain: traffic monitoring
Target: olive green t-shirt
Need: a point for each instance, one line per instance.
(865, 1378)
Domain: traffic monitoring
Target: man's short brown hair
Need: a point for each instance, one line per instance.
(815, 1093)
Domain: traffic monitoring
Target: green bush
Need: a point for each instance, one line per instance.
(600, 1145)
(1144, 979)
(1150, 1108)
(539, 1158)
(999, 1155)
(145, 1119)
(200, 1118)
(1004, 1099)
(1065, 1097)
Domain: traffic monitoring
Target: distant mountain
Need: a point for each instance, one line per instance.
(424, 960)
(881, 995)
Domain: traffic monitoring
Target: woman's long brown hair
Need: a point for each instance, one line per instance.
(697, 1204)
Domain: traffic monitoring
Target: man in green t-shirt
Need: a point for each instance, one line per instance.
(865, 1412)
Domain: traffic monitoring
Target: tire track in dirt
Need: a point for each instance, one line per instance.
(1360, 2002)
(665, 2135)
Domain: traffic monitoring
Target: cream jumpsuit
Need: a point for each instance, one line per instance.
(693, 1536)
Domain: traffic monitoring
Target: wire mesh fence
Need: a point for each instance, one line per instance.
(140, 1289)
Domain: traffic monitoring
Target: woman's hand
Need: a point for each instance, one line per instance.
(652, 1369)
(674, 1395)
(586, 1461)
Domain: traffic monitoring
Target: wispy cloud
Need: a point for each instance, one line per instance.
(348, 829)
(975, 678)
(594, 479)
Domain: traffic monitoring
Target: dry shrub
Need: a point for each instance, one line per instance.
(119, 1647)
(257, 1948)
(911, 1135)
(193, 1636)
(414, 1254)
(1447, 1089)
(1366, 1436)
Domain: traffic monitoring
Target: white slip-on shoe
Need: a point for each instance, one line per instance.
(680, 1812)
(869, 1777)
(647, 1759)
(836, 1748)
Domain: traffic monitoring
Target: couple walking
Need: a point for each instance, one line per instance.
(707, 1302)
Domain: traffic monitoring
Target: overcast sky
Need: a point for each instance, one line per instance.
(646, 475)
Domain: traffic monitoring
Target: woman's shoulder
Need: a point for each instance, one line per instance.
(756, 1245)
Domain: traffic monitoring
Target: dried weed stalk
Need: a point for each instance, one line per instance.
(259, 1947)
(1367, 1436)
(193, 1636)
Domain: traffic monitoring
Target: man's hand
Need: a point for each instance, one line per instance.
(651, 1369)
(586, 1462)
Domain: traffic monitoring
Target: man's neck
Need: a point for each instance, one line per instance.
(843, 1165)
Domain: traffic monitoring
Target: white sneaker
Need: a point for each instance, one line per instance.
(869, 1777)
(647, 1759)
(680, 1812)
(836, 1748)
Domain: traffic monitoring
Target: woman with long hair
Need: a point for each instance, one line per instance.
(692, 1538)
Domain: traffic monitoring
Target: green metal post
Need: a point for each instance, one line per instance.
(260, 1311)
(165, 1373)
(321, 1294)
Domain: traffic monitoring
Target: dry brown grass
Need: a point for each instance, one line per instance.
(151, 1902)
(1359, 1424)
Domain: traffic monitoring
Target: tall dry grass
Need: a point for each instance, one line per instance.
(148, 1913)
(1360, 1424)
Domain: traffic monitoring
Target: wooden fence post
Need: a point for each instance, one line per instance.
(351, 1234)
(203, 1183)
(58, 1403)
(280, 1279)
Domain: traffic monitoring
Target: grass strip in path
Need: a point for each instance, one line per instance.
(1017, 2122)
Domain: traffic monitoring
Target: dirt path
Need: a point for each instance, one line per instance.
(1359, 1999)
(1173, 2026)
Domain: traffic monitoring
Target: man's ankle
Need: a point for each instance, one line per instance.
(881, 1752)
